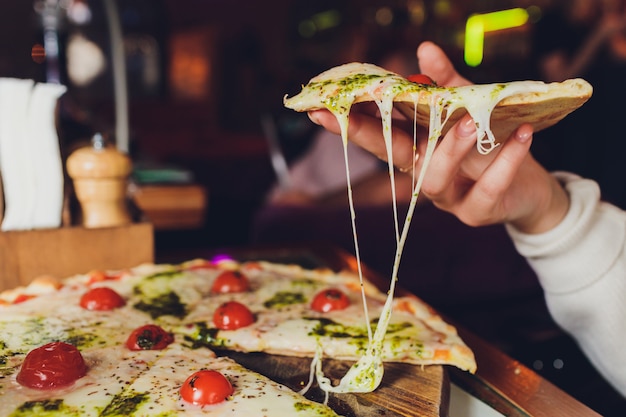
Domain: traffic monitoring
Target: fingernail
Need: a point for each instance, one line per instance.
(410, 168)
(466, 127)
(313, 117)
(523, 134)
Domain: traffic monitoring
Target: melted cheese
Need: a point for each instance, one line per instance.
(337, 90)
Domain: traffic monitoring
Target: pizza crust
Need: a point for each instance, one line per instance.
(541, 110)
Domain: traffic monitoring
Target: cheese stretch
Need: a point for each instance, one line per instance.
(337, 90)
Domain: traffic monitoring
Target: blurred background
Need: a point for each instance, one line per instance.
(205, 84)
(203, 73)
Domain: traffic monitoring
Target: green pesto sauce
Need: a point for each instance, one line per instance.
(158, 296)
(166, 304)
(157, 284)
(5, 369)
(285, 298)
(347, 87)
(45, 408)
(34, 331)
(496, 90)
(205, 337)
(366, 377)
(125, 404)
(4, 354)
(358, 334)
(83, 340)
(304, 282)
(164, 274)
(318, 408)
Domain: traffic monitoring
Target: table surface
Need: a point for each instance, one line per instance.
(501, 382)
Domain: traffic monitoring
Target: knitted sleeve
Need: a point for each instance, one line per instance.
(581, 265)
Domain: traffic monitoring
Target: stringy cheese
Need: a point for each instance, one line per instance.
(337, 90)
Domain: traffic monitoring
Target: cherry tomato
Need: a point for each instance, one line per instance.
(330, 299)
(53, 365)
(230, 281)
(23, 297)
(421, 79)
(99, 276)
(101, 299)
(149, 337)
(232, 315)
(206, 387)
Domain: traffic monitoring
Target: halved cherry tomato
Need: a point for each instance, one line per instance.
(149, 337)
(206, 387)
(53, 365)
(101, 299)
(421, 79)
(330, 299)
(232, 315)
(230, 281)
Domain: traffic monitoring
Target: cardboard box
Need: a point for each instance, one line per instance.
(66, 251)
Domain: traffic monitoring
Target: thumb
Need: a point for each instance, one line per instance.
(435, 63)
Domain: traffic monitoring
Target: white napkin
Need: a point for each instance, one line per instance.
(30, 159)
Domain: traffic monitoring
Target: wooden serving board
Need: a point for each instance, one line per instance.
(406, 390)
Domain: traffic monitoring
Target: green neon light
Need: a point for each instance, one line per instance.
(479, 24)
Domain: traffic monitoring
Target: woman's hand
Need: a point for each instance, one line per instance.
(507, 185)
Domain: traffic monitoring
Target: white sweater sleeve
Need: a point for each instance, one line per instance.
(581, 265)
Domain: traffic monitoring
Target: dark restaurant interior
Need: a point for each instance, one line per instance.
(205, 87)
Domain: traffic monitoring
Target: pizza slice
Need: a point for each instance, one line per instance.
(498, 108)
(295, 311)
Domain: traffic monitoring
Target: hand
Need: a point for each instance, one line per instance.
(507, 185)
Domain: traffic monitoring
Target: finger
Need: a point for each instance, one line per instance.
(491, 188)
(447, 158)
(366, 131)
(435, 63)
(505, 166)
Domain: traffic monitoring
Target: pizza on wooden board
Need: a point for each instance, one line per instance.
(142, 342)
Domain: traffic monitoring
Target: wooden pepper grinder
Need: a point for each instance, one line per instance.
(100, 174)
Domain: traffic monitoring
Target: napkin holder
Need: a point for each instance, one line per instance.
(101, 231)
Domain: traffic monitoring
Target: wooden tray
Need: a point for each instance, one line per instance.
(406, 390)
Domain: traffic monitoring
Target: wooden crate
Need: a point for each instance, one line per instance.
(65, 251)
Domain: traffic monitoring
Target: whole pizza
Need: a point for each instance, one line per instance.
(143, 341)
